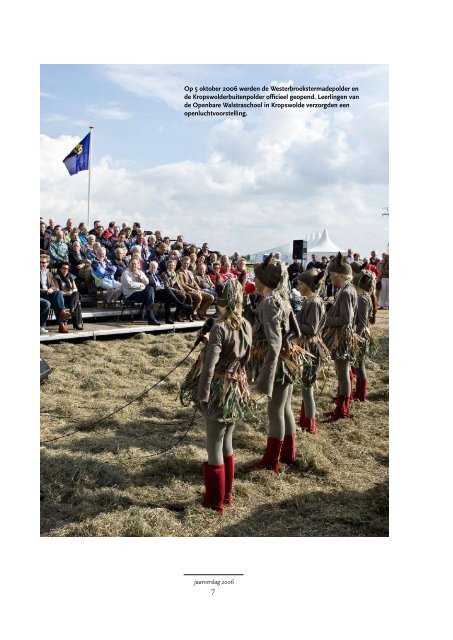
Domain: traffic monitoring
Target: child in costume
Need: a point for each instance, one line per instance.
(275, 361)
(364, 281)
(338, 333)
(311, 319)
(218, 382)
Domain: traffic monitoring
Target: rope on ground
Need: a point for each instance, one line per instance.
(91, 425)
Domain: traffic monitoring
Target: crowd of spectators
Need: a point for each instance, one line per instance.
(130, 264)
(379, 267)
(137, 265)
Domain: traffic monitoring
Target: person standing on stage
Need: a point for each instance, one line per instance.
(338, 333)
(311, 319)
(275, 361)
(218, 383)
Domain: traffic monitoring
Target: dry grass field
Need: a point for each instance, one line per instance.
(105, 480)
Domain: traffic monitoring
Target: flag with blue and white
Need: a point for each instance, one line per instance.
(79, 158)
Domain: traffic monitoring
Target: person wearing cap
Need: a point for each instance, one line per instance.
(218, 383)
(311, 319)
(365, 283)
(338, 333)
(275, 361)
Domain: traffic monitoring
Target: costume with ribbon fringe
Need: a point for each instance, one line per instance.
(217, 382)
(311, 319)
(339, 335)
(291, 356)
(275, 362)
(229, 395)
(365, 282)
(367, 345)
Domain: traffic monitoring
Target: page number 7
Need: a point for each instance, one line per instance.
(213, 590)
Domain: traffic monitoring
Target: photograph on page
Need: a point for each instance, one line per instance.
(214, 300)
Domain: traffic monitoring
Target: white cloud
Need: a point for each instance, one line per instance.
(161, 82)
(56, 117)
(259, 187)
(109, 112)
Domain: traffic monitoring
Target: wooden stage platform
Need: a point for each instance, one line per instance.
(99, 323)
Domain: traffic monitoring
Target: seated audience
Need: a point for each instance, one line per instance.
(115, 235)
(240, 268)
(83, 234)
(171, 281)
(44, 314)
(179, 247)
(49, 292)
(108, 233)
(92, 231)
(216, 274)
(226, 267)
(179, 241)
(164, 294)
(65, 282)
(119, 262)
(58, 249)
(193, 262)
(68, 229)
(91, 247)
(103, 273)
(136, 288)
(80, 267)
(235, 259)
(204, 251)
(135, 227)
(136, 252)
(44, 238)
(204, 281)
(211, 260)
(200, 300)
(51, 226)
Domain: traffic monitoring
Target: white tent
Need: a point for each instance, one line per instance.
(323, 246)
(317, 242)
(312, 239)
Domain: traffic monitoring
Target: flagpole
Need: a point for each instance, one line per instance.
(89, 174)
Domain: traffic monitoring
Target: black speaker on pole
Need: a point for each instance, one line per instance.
(299, 249)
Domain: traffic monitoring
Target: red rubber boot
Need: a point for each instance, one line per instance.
(310, 425)
(302, 415)
(214, 482)
(363, 386)
(341, 410)
(352, 376)
(229, 478)
(288, 451)
(270, 457)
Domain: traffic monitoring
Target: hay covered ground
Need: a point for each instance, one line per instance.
(103, 482)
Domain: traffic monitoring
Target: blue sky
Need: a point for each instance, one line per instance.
(246, 183)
